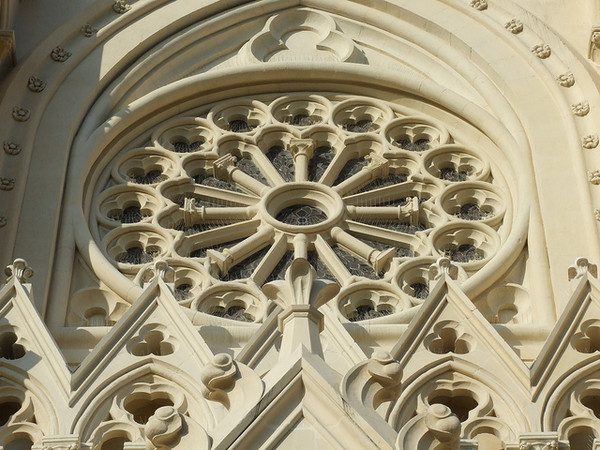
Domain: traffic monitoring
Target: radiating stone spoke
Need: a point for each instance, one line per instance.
(384, 235)
(270, 260)
(408, 213)
(380, 196)
(229, 257)
(220, 235)
(227, 197)
(194, 214)
(267, 169)
(225, 169)
(378, 167)
(333, 263)
(302, 151)
(376, 258)
(333, 169)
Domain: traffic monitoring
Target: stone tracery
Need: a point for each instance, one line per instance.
(355, 185)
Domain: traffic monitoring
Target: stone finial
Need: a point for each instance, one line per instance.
(443, 424)
(443, 266)
(19, 270)
(582, 267)
(162, 429)
(159, 269)
(385, 370)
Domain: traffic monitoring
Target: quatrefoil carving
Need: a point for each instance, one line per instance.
(153, 339)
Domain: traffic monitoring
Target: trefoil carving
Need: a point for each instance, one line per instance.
(18, 270)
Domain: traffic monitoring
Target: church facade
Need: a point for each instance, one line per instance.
(299, 224)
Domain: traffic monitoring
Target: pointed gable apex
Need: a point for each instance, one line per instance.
(475, 337)
(156, 307)
(553, 360)
(17, 310)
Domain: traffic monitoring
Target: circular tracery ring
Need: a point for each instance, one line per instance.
(353, 185)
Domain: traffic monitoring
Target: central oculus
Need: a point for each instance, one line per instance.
(302, 207)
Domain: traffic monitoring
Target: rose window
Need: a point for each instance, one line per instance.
(358, 187)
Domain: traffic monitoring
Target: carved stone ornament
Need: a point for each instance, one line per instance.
(385, 369)
(162, 429)
(59, 54)
(596, 38)
(3, 221)
(581, 109)
(7, 184)
(479, 5)
(121, 7)
(542, 51)
(88, 30)
(566, 79)
(444, 425)
(597, 214)
(443, 266)
(218, 377)
(36, 84)
(594, 176)
(539, 441)
(159, 269)
(515, 26)
(590, 141)
(19, 270)
(582, 267)
(20, 114)
(11, 148)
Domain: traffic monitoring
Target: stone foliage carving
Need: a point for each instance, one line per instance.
(566, 79)
(590, 141)
(12, 148)
(59, 54)
(594, 176)
(7, 183)
(121, 6)
(36, 84)
(88, 30)
(542, 51)
(515, 26)
(479, 5)
(581, 109)
(20, 114)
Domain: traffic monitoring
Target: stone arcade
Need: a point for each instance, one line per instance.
(299, 224)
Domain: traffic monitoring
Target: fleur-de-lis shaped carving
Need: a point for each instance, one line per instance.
(443, 266)
(160, 269)
(582, 267)
(19, 270)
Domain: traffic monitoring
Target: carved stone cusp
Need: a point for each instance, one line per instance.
(582, 267)
(217, 377)
(162, 429)
(385, 369)
(443, 266)
(443, 424)
(19, 270)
